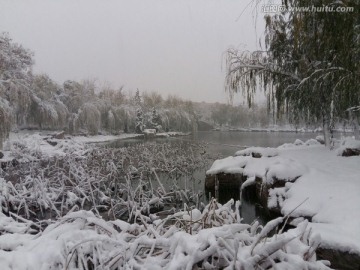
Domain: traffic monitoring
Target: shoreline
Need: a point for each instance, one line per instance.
(305, 181)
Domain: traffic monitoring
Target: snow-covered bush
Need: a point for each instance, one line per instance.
(211, 239)
(98, 178)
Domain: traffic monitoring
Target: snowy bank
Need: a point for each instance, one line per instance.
(317, 184)
(42, 144)
(81, 240)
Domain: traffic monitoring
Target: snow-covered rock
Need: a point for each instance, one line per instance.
(258, 152)
(349, 147)
(228, 165)
(309, 180)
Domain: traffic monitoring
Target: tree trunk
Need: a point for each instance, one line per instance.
(356, 129)
(355, 123)
(327, 131)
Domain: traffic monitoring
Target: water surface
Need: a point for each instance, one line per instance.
(221, 144)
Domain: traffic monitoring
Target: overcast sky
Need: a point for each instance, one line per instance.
(170, 46)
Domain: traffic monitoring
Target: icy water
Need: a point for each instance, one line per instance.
(222, 144)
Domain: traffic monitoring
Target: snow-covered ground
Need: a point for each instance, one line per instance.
(38, 144)
(327, 190)
(211, 239)
(104, 138)
(328, 183)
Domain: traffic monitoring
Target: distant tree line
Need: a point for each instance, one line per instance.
(29, 100)
(35, 101)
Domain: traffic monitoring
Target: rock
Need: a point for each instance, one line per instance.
(349, 147)
(59, 136)
(339, 259)
(263, 191)
(15, 162)
(229, 186)
(1, 154)
(5, 164)
(258, 152)
(320, 139)
(225, 179)
(312, 142)
(53, 143)
(298, 142)
(348, 152)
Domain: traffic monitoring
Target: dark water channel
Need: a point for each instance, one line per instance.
(221, 144)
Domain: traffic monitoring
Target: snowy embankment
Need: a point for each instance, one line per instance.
(212, 239)
(318, 184)
(48, 145)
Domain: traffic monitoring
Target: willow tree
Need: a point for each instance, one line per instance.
(15, 77)
(47, 110)
(310, 66)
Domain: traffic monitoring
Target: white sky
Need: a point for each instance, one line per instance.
(170, 46)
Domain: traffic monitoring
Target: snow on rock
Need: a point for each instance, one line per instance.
(320, 139)
(149, 131)
(284, 169)
(328, 193)
(258, 152)
(326, 189)
(298, 142)
(349, 147)
(276, 197)
(312, 142)
(269, 169)
(228, 165)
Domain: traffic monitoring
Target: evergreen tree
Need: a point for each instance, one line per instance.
(155, 120)
(137, 98)
(139, 122)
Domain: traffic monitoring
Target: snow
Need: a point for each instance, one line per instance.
(36, 144)
(332, 187)
(172, 134)
(348, 143)
(263, 152)
(279, 168)
(81, 236)
(104, 138)
(149, 131)
(326, 189)
(228, 165)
